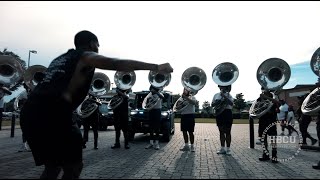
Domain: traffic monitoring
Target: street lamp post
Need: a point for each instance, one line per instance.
(31, 51)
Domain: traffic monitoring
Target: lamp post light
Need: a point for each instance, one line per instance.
(31, 51)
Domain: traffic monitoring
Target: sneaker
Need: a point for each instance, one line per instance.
(157, 147)
(149, 146)
(22, 149)
(192, 149)
(116, 145)
(282, 134)
(314, 141)
(185, 148)
(258, 142)
(316, 166)
(228, 152)
(221, 151)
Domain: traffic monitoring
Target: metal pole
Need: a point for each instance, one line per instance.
(29, 59)
(251, 128)
(13, 124)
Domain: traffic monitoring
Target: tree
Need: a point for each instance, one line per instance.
(206, 109)
(22, 62)
(239, 102)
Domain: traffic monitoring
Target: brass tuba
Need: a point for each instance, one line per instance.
(193, 79)
(100, 85)
(32, 76)
(124, 81)
(311, 104)
(11, 71)
(159, 81)
(272, 74)
(224, 74)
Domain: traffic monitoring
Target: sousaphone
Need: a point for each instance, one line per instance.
(100, 85)
(159, 81)
(193, 79)
(124, 81)
(224, 74)
(272, 75)
(311, 104)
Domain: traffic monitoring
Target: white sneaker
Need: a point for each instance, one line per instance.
(221, 151)
(157, 147)
(258, 142)
(228, 152)
(149, 146)
(22, 149)
(185, 148)
(192, 149)
(27, 147)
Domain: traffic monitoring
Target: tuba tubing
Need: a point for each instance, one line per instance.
(193, 80)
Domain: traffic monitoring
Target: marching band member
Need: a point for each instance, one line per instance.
(187, 120)
(93, 121)
(264, 121)
(224, 119)
(3, 92)
(121, 115)
(154, 118)
(46, 117)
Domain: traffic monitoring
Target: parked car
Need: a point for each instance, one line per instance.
(139, 118)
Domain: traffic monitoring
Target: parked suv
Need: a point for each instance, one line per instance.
(139, 118)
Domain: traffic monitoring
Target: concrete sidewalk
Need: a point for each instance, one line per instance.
(168, 162)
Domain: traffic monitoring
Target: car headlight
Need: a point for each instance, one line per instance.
(140, 112)
(164, 114)
(110, 112)
(133, 113)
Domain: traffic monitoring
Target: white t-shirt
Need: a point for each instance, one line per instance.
(190, 109)
(218, 96)
(283, 109)
(292, 117)
(158, 105)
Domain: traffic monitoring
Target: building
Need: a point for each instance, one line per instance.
(291, 95)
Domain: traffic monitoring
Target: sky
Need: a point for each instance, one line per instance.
(185, 34)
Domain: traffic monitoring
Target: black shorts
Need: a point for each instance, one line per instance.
(187, 122)
(225, 119)
(52, 134)
(155, 118)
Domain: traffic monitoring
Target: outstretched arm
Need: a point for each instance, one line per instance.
(103, 62)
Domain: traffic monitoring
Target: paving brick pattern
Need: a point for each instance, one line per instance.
(168, 162)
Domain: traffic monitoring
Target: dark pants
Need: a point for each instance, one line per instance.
(70, 171)
(93, 121)
(303, 125)
(121, 123)
(155, 123)
(318, 131)
(54, 138)
(1, 115)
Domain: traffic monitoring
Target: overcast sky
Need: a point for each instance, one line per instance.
(185, 34)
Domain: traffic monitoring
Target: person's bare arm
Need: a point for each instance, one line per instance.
(98, 61)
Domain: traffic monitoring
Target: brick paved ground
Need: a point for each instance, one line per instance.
(169, 161)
